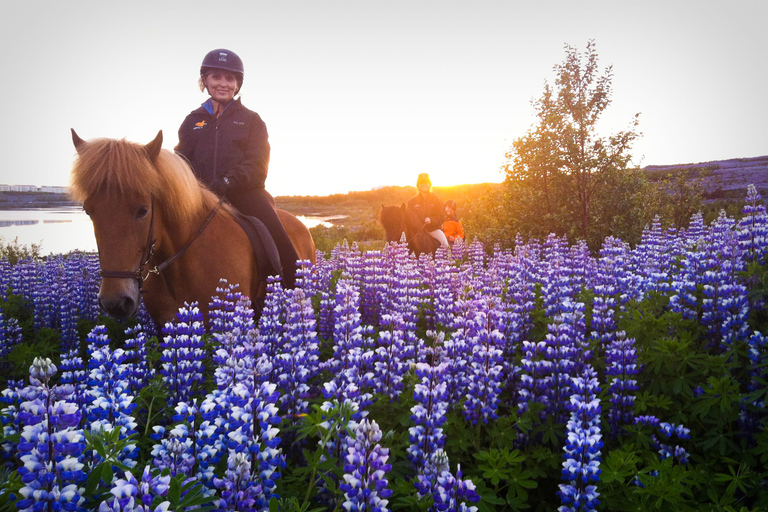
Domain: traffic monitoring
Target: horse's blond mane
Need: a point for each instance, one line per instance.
(123, 169)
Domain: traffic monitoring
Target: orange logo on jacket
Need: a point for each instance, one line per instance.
(200, 124)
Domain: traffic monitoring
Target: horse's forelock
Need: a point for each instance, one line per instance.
(123, 169)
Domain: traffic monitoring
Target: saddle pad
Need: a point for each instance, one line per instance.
(264, 248)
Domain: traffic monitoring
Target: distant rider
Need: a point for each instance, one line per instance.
(429, 209)
(452, 226)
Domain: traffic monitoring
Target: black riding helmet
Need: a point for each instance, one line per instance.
(226, 60)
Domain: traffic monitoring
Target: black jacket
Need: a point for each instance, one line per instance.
(234, 145)
(431, 207)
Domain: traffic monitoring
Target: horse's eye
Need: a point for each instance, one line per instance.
(141, 212)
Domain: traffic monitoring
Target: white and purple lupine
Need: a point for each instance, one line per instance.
(252, 425)
(299, 363)
(110, 402)
(131, 495)
(240, 488)
(450, 493)
(135, 357)
(183, 354)
(51, 445)
(485, 372)
(390, 357)
(365, 469)
(622, 369)
(10, 334)
(753, 227)
(581, 468)
(428, 415)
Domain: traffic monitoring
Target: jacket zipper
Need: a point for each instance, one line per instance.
(215, 149)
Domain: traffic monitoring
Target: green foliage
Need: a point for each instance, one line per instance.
(562, 177)
(14, 251)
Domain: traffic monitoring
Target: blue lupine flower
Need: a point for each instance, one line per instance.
(484, 376)
(753, 227)
(50, 445)
(428, 415)
(299, 362)
(581, 468)
(131, 495)
(135, 357)
(390, 357)
(365, 482)
(239, 488)
(449, 491)
(183, 354)
(621, 361)
(110, 403)
(10, 334)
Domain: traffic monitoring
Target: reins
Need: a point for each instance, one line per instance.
(149, 250)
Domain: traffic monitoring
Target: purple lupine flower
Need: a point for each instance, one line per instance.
(374, 286)
(51, 445)
(252, 429)
(484, 374)
(581, 468)
(535, 371)
(622, 367)
(10, 398)
(444, 296)
(348, 331)
(753, 227)
(5, 277)
(428, 415)
(110, 402)
(131, 495)
(240, 488)
(235, 336)
(135, 357)
(748, 418)
(390, 357)
(365, 482)
(456, 353)
(183, 354)
(563, 351)
(10, 334)
(451, 493)
(270, 334)
(652, 259)
(175, 450)
(299, 363)
(666, 431)
(405, 295)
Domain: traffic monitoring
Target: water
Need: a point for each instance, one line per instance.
(61, 230)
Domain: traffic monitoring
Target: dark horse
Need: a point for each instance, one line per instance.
(162, 236)
(397, 220)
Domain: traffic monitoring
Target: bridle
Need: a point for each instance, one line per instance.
(142, 273)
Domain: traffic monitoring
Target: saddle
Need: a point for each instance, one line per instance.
(263, 245)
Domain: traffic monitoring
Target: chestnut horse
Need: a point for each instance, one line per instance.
(161, 235)
(399, 220)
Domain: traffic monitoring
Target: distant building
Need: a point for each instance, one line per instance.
(23, 188)
(54, 190)
(5, 188)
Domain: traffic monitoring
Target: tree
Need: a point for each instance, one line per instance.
(561, 167)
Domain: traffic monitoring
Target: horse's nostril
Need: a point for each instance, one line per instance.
(122, 307)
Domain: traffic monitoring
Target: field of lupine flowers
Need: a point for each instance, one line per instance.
(541, 378)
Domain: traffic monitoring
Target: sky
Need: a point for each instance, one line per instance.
(359, 94)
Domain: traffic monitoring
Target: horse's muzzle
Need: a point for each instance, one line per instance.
(120, 304)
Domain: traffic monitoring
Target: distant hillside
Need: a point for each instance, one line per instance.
(722, 178)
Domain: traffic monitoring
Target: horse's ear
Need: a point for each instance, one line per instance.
(153, 148)
(77, 140)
